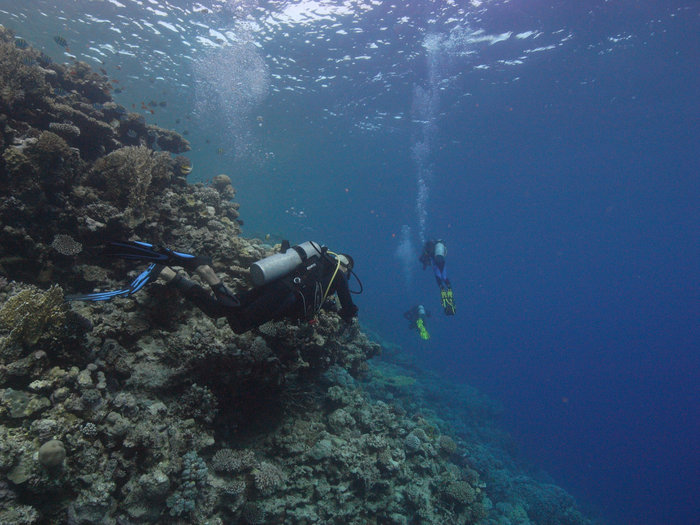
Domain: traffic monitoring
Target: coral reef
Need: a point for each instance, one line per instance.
(141, 410)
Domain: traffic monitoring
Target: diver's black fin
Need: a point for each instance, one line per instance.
(149, 274)
(285, 246)
(136, 251)
(143, 251)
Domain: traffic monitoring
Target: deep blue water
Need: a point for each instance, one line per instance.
(559, 164)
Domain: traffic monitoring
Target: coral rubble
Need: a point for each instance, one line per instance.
(143, 411)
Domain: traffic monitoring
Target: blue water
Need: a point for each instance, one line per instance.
(555, 143)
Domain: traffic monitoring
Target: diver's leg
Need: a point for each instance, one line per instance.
(259, 306)
(208, 275)
(438, 277)
(225, 296)
(207, 303)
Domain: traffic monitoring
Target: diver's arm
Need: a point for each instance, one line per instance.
(349, 309)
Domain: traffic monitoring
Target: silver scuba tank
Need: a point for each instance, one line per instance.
(421, 311)
(280, 264)
(440, 251)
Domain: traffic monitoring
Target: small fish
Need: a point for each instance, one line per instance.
(60, 92)
(220, 151)
(152, 103)
(177, 121)
(44, 59)
(186, 169)
(21, 43)
(28, 61)
(162, 103)
(118, 90)
(152, 112)
(186, 132)
(207, 141)
(97, 106)
(61, 42)
(103, 71)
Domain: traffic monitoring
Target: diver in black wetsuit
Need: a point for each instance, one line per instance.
(434, 252)
(299, 295)
(292, 285)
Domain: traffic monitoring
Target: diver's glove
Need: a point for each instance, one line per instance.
(347, 314)
(225, 296)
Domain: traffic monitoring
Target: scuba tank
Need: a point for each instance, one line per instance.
(440, 251)
(280, 264)
(421, 311)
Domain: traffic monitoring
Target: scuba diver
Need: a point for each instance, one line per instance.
(434, 252)
(293, 284)
(416, 318)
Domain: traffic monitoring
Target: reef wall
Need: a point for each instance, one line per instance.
(140, 410)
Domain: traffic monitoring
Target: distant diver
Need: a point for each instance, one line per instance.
(434, 252)
(416, 318)
(293, 284)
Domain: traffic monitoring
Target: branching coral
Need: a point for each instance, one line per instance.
(228, 460)
(267, 477)
(127, 174)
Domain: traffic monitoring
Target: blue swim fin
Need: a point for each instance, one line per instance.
(149, 274)
(143, 251)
